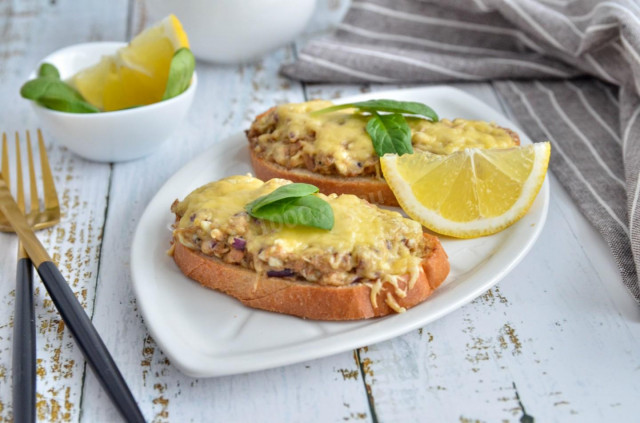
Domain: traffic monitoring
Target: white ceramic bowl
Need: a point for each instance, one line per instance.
(112, 136)
(235, 31)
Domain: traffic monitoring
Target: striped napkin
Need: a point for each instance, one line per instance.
(569, 70)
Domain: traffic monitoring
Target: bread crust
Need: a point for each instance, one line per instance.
(372, 189)
(306, 299)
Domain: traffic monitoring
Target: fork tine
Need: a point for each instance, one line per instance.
(50, 195)
(20, 185)
(33, 187)
(5, 160)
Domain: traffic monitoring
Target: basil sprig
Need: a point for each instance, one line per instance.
(293, 204)
(390, 133)
(391, 106)
(180, 72)
(51, 92)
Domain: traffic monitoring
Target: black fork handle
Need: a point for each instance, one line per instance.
(24, 346)
(89, 341)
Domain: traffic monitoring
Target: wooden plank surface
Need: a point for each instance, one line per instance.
(29, 31)
(556, 340)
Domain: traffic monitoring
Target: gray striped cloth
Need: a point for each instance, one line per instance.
(569, 70)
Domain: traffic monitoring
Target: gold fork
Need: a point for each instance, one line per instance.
(38, 218)
(93, 348)
(24, 343)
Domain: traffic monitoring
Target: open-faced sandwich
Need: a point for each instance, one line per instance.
(338, 149)
(285, 248)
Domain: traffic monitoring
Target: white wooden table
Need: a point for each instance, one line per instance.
(557, 340)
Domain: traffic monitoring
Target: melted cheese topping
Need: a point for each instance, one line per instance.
(339, 135)
(367, 244)
(448, 136)
(337, 142)
(217, 202)
(359, 228)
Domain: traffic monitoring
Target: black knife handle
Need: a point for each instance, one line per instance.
(24, 346)
(91, 345)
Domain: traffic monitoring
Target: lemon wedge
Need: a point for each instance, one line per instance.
(470, 193)
(137, 74)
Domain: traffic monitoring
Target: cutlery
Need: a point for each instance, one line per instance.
(24, 345)
(74, 316)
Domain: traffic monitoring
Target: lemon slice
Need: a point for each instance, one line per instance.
(469, 193)
(137, 74)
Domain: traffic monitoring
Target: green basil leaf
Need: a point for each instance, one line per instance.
(302, 211)
(68, 106)
(390, 134)
(281, 193)
(57, 95)
(48, 70)
(293, 204)
(404, 107)
(49, 87)
(180, 73)
(390, 106)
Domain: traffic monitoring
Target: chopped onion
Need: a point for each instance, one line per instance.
(280, 273)
(239, 244)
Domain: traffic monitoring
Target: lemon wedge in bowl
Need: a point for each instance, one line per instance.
(470, 193)
(137, 74)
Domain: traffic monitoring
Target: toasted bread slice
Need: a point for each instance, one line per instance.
(371, 187)
(310, 300)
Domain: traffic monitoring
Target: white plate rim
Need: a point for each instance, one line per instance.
(198, 364)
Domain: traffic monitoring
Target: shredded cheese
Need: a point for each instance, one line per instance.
(391, 302)
(375, 287)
